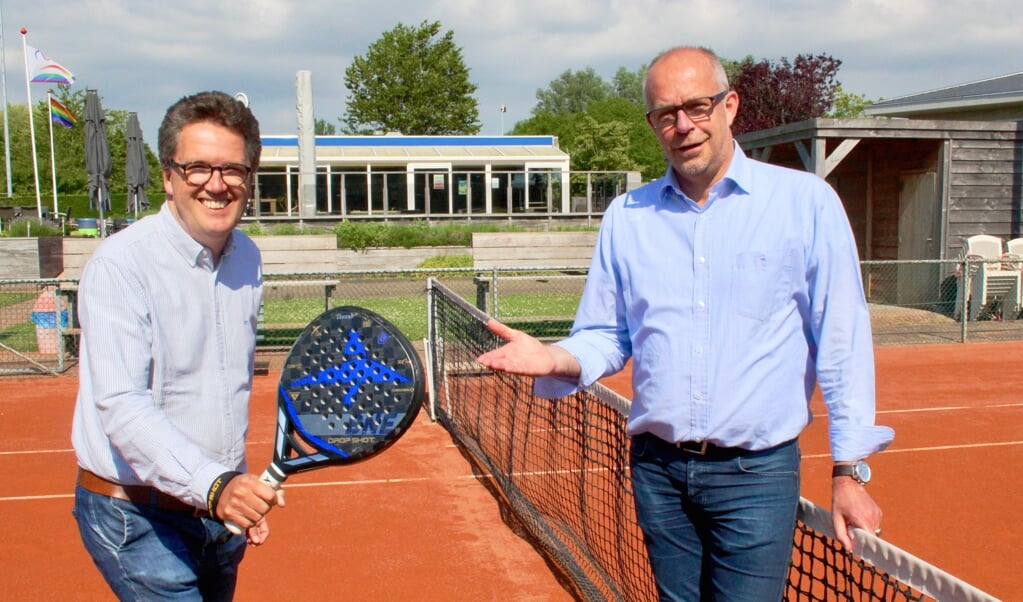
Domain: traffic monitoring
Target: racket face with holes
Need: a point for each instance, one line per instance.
(350, 387)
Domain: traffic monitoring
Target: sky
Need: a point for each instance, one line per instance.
(142, 55)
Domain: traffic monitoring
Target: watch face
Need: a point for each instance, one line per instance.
(861, 471)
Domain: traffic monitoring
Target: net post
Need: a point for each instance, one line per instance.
(428, 347)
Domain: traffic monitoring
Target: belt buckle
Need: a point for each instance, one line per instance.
(689, 446)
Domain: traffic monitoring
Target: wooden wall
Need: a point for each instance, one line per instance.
(533, 249)
(985, 187)
(292, 254)
(31, 257)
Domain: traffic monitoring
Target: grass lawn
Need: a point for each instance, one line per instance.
(543, 315)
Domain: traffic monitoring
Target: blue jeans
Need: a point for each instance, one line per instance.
(716, 527)
(147, 553)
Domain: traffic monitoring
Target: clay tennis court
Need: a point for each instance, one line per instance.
(415, 524)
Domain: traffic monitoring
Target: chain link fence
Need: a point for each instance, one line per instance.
(911, 302)
(36, 326)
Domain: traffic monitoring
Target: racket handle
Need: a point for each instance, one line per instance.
(272, 477)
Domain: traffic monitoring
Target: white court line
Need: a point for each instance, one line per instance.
(991, 406)
(934, 448)
(37, 451)
(71, 450)
(816, 416)
(61, 496)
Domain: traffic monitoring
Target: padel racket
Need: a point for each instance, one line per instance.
(350, 387)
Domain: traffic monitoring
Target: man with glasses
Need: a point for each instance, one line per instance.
(169, 308)
(734, 287)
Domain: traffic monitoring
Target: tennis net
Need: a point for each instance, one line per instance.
(560, 470)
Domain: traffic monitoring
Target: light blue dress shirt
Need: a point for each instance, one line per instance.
(732, 312)
(167, 352)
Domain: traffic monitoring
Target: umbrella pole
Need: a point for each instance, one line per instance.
(102, 221)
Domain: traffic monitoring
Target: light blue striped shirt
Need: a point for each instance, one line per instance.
(731, 312)
(167, 352)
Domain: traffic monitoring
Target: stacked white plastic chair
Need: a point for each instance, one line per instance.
(990, 277)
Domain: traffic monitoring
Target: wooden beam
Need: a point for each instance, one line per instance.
(840, 153)
(804, 155)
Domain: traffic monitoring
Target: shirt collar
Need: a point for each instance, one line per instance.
(188, 247)
(736, 180)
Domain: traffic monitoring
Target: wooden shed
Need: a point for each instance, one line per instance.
(913, 189)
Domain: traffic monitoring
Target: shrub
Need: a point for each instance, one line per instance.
(254, 229)
(28, 226)
(446, 261)
(360, 236)
(291, 229)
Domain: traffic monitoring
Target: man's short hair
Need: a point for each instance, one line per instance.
(210, 107)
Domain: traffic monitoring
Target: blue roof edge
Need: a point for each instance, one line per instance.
(292, 140)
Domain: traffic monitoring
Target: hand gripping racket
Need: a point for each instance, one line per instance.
(350, 387)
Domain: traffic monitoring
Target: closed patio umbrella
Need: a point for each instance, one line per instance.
(97, 156)
(136, 168)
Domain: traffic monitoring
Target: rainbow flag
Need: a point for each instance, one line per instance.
(60, 114)
(46, 70)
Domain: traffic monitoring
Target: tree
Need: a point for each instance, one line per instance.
(629, 84)
(322, 127)
(733, 68)
(412, 80)
(571, 92)
(602, 146)
(600, 124)
(68, 151)
(848, 105)
(774, 94)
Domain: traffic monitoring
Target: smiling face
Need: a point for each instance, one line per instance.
(699, 151)
(211, 211)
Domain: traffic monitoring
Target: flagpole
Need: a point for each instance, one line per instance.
(3, 77)
(31, 122)
(53, 158)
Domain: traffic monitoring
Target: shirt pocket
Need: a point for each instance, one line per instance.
(762, 281)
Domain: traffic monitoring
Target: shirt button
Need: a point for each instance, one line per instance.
(703, 259)
(698, 396)
(700, 304)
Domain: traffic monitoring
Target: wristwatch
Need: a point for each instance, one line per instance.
(859, 471)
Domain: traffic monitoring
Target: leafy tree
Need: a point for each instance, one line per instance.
(644, 152)
(572, 92)
(603, 146)
(774, 94)
(629, 84)
(600, 124)
(412, 80)
(848, 105)
(612, 135)
(733, 68)
(322, 127)
(68, 151)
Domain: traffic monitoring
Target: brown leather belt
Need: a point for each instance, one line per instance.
(698, 449)
(142, 495)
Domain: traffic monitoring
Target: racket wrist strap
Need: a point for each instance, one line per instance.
(217, 488)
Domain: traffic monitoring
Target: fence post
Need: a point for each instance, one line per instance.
(482, 288)
(964, 297)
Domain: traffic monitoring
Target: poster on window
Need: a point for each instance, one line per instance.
(438, 181)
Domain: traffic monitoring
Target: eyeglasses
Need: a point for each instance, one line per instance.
(697, 109)
(198, 173)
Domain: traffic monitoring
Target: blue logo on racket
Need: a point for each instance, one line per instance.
(356, 370)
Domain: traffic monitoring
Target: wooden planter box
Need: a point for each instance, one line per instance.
(293, 254)
(41, 257)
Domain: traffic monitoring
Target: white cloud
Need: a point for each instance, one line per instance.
(143, 54)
